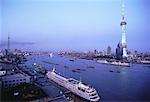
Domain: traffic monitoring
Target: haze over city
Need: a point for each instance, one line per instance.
(74, 24)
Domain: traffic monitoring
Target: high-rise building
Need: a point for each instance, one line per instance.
(119, 51)
(95, 51)
(123, 29)
(108, 50)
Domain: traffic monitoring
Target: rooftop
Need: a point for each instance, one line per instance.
(16, 75)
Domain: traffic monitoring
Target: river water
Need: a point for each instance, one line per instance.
(119, 84)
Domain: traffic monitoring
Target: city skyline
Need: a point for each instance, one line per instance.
(75, 25)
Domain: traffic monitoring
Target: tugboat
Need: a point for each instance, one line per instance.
(75, 86)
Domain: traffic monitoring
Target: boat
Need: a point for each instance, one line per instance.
(120, 64)
(66, 67)
(39, 68)
(50, 55)
(74, 86)
(102, 61)
(71, 60)
(111, 71)
(90, 66)
(78, 71)
(75, 58)
(145, 62)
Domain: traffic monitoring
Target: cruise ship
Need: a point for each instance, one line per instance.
(75, 86)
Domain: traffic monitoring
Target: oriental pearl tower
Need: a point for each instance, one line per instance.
(123, 29)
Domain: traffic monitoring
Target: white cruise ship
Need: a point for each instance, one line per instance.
(74, 86)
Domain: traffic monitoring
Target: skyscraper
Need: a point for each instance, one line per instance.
(123, 29)
(108, 50)
(119, 51)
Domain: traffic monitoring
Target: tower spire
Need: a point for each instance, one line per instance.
(122, 9)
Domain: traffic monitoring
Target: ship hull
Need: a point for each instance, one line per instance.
(64, 83)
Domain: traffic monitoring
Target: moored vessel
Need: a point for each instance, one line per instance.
(75, 86)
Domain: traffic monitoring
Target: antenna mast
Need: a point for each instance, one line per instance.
(122, 9)
(8, 44)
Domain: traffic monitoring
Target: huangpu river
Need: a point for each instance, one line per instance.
(113, 83)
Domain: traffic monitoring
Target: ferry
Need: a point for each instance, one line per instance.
(120, 64)
(74, 86)
(114, 63)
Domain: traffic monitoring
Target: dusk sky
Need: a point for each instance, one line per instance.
(78, 25)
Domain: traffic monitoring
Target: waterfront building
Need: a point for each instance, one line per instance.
(119, 52)
(104, 52)
(95, 51)
(108, 50)
(0, 83)
(0, 87)
(1, 54)
(15, 79)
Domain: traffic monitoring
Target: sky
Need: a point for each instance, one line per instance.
(79, 25)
